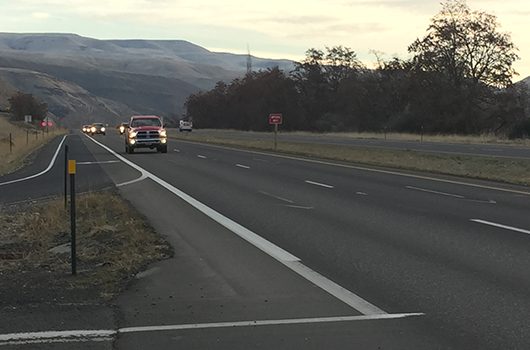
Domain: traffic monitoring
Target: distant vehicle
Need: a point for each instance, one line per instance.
(97, 128)
(185, 125)
(123, 127)
(146, 131)
(86, 128)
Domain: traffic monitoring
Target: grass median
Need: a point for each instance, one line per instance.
(114, 243)
(515, 171)
(25, 140)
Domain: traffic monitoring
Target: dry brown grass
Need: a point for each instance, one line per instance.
(114, 242)
(489, 168)
(25, 140)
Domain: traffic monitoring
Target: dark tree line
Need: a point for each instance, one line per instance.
(459, 80)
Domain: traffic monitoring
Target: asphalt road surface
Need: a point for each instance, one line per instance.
(489, 150)
(332, 256)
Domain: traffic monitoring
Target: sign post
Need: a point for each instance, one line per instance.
(72, 171)
(275, 119)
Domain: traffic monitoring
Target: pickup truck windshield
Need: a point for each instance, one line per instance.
(145, 122)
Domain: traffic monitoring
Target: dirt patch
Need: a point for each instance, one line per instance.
(114, 243)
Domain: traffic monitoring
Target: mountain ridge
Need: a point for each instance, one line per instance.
(145, 76)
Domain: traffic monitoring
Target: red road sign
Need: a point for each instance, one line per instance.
(275, 118)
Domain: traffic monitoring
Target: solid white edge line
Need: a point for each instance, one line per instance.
(259, 242)
(201, 156)
(318, 184)
(334, 289)
(57, 335)
(484, 222)
(264, 245)
(374, 170)
(100, 335)
(52, 162)
(242, 166)
(267, 322)
(434, 192)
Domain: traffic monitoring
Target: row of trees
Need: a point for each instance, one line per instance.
(457, 81)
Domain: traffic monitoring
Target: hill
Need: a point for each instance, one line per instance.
(147, 76)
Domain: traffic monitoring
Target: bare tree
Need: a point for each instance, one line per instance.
(466, 45)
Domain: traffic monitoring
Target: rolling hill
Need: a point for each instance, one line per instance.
(114, 78)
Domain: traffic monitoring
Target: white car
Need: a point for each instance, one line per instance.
(185, 125)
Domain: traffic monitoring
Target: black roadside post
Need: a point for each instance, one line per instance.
(275, 119)
(275, 136)
(65, 176)
(27, 136)
(421, 134)
(71, 171)
(10, 143)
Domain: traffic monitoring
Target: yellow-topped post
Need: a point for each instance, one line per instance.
(71, 167)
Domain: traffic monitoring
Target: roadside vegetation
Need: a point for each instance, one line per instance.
(513, 171)
(457, 81)
(26, 139)
(114, 242)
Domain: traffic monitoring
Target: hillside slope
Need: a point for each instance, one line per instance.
(147, 76)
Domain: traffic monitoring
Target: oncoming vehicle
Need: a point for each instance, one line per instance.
(123, 127)
(97, 128)
(185, 125)
(146, 131)
(86, 128)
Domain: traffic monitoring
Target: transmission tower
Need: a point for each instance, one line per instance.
(249, 60)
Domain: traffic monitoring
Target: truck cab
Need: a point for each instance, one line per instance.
(145, 131)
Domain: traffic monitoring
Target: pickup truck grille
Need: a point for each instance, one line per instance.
(148, 134)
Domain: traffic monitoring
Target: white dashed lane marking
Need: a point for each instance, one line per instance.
(319, 184)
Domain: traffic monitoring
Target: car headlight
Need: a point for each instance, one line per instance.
(93, 129)
(133, 134)
(163, 133)
(103, 129)
(122, 128)
(84, 129)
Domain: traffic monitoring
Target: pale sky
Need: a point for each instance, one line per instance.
(272, 28)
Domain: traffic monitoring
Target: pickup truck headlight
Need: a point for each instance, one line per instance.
(93, 129)
(133, 134)
(163, 133)
(103, 129)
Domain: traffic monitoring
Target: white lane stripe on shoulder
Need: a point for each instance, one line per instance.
(107, 335)
(494, 224)
(264, 245)
(52, 162)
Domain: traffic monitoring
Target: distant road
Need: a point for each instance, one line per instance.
(490, 150)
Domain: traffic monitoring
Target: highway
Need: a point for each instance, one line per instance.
(471, 149)
(427, 263)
